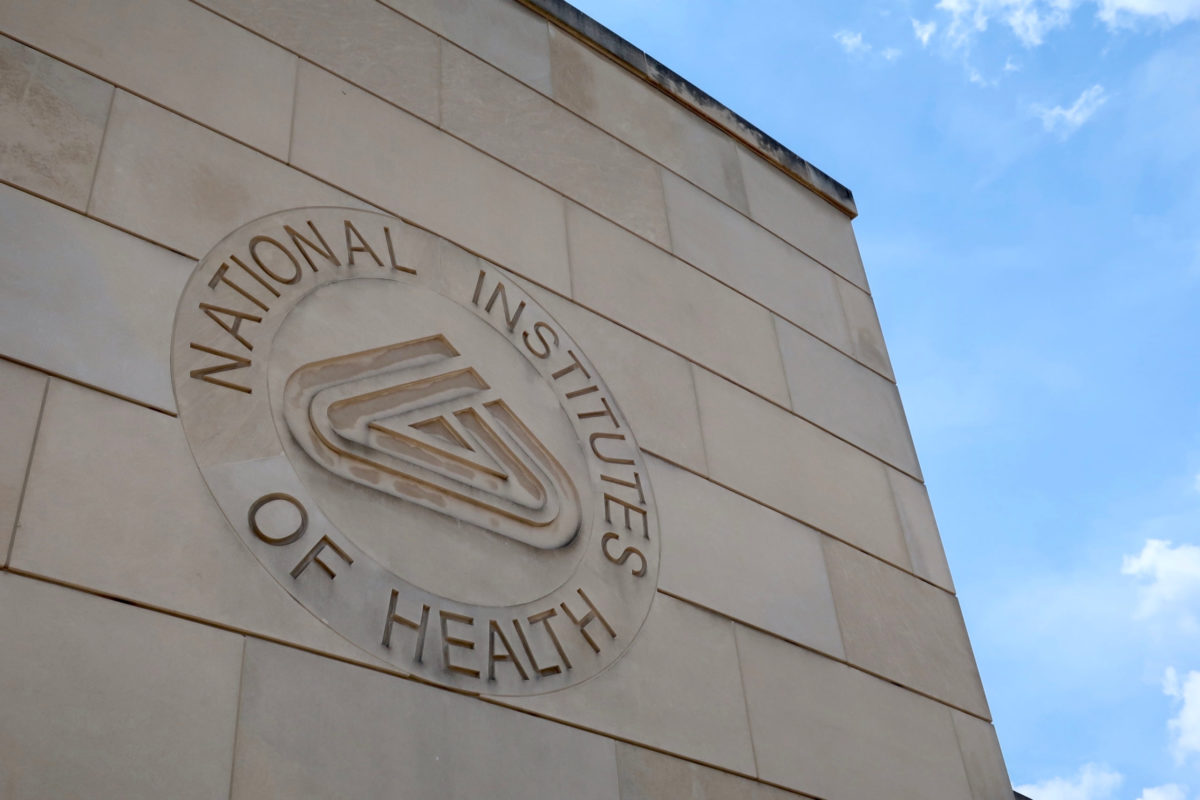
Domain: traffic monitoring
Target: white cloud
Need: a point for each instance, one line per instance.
(1196, 480)
(1012, 66)
(852, 43)
(924, 31)
(1171, 791)
(1124, 12)
(1065, 121)
(1093, 782)
(891, 54)
(1173, 574)
(1184, 727)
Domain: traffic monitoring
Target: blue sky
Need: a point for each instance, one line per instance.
(1028, 178)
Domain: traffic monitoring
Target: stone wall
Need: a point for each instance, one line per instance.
(804, 637)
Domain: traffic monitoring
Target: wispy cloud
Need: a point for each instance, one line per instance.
(852, 43)
(1170, 791)
(1173, 574)
(924, 31)
(1065, 121)
(1124, 12)
(891, 53)
(1011, 66)
(1094, 782)
(1185, 725)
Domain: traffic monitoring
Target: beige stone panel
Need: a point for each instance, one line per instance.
(920, 530)
(652, 385)
(742, 559)
(900, 627)
(361, 40)
(173, 52)
(21, 392)
(141, 524)
(620, 103)
(844, 397)
(677, 689)
(832, 731)
(183, 185)
(540, 138)
(791, 465)
(311, 727)
(51, 123)
(503, 33)
(647, 775)
(798, 214)
(663, 298)
(982, 758)
(865, 334)
(376, 151)
(102, 700)
(736, 251)
(86, 301)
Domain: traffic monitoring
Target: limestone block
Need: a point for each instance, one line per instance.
(743, 560)
(832, 731)
(180, 184)
(791, 465)
(653, 386)
(505, 33)
(312, 727)
(51, 123)
(102, 700)
(410, 168)
(360, 40)
(85, 300)
(790, 209)
(981, 757)
(620, 103)
(920, 530)
(844, 397)
(141, 524)
(21, 393)
(683, 654)
(736, 251)
(173, 52)
(540, 138)
(665, 299)
(647, 775)
(865, 334)
(904, 629)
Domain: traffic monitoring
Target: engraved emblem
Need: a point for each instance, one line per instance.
(407, 419)
(416, 451)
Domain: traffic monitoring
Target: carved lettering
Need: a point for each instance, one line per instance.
(361, 247)
(539, 330)
(592, 615)
(315, 555)
(575, 365)
(232, 362)
(636, 483)
(449, 641)
(611, 460)
(232, 328)
(220, 277)
(625, 554)
(508, 655)
(419, 627)
(606, 412)
(287, 538)
(301, 242)
(553, 669)
(544, 617)
(387, 235)
(629, 509)
(296, 272)
(254, 275)
(509, 318)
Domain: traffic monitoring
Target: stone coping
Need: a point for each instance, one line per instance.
(671, 83)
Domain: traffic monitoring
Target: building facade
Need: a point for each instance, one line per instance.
(443, 399)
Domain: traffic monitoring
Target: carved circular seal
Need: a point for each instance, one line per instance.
(416, 450)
